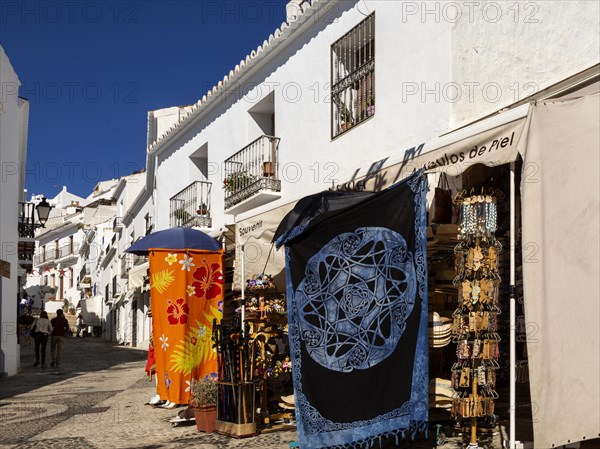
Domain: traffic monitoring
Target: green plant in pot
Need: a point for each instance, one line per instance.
(345, 119)
(238, 181)
(203, 400)
(182, 214)
(202, 209)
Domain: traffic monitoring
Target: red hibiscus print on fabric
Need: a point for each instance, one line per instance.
(209, 281)
(177, 312)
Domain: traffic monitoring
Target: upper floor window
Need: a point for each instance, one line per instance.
(353, 77)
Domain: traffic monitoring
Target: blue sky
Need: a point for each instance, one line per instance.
(93, 69)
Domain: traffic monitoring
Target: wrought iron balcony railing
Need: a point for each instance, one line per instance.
(117, 224)
(191, 206)
(26, 220)
(70, 249)
(252, 169)
(48, 257)
(126, 265)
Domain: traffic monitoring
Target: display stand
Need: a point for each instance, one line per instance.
(251, 360)
(475, 320)
(236, 393)
(240, 423)
(267, 319)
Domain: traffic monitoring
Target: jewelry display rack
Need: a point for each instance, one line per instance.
(475, 322)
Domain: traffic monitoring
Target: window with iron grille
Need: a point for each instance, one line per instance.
(353, 77)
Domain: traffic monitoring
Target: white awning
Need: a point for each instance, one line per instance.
(561, 221)
(91, 309)
(137, 275)
(256, 234)
(118, 301)
(490, 142)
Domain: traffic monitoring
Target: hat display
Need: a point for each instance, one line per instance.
(440, 330)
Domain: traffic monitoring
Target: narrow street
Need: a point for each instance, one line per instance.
(96, 400)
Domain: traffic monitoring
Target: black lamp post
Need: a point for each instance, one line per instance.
(43, 211)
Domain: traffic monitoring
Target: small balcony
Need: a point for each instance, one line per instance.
(252, 176)
(68, 254)
(26, 221)
(190, 208)
(47, 257)
(117, 224)
(126, 265)
(26, 227)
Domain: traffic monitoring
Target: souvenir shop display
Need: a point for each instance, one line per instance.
(254, 363)
(266, 317)
(475, 322)
(356, 275)
(236, 397)
(263, 301)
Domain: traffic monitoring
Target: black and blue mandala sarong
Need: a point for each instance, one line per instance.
(357, 314)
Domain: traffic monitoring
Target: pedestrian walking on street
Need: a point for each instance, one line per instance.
(41, 329)
(80, 323)
(23, 305)
(60, 326)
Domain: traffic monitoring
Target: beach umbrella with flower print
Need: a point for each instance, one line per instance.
(186, 295)
(174, 239)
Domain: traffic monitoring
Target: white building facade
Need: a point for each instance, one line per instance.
(15, 245)
(346, 85)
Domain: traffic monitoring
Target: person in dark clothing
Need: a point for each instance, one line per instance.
(60, 326)
(42, 328)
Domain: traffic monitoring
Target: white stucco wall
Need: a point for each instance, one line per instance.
(299, 76)
(513, 49)
(13, 123)
(143, 322)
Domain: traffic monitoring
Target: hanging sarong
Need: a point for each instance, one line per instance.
(357, 313)
(186, 291)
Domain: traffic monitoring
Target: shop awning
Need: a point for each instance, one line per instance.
(118, 301)
(561, 227)
(256, 235)
(91, 309)
(137, 275)
(491, 142)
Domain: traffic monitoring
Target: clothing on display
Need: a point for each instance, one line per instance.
(357, 312)
(186, 296)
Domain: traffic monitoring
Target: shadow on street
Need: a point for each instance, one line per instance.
(80, 356)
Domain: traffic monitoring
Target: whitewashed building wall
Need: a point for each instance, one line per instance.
(14, 116)
(422, 52)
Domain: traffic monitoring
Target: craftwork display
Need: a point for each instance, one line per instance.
(475, 325)
(266, 315)
(262, 300)
(357, 313)
(186, 296)
(236, 402)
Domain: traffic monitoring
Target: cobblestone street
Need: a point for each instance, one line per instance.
(96, 400)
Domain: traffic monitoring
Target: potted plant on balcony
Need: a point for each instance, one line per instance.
(268, 169)
(370, 106)
(203, 400)
(238, 181)
(182, 215)
(202, 209)
(345, 120)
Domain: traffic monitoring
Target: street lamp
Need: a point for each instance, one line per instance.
(43, 211)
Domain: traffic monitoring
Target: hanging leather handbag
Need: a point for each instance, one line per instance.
(442, 202)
